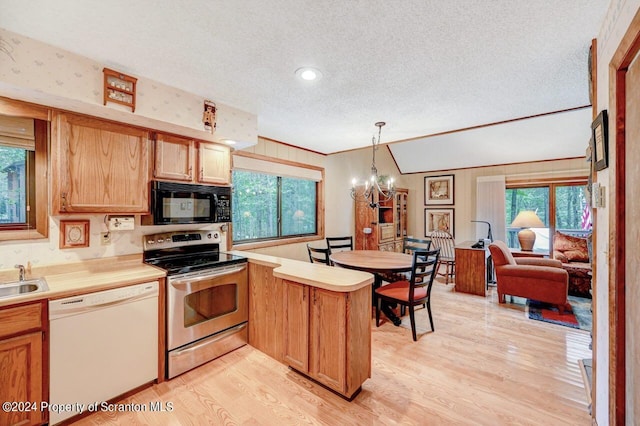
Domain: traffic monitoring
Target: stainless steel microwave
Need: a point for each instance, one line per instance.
(179, 203)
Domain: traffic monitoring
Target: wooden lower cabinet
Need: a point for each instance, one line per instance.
(265, 311)
(296, 320)
(22, 364)
(327, 335)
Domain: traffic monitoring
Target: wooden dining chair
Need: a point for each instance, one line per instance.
(340, 243)
(444, 241)
(415, 291)
(319, 255)
(409, 245)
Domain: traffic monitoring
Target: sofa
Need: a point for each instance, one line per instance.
(539, 279)
(574, 253)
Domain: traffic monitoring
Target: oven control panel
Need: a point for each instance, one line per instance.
(179, 239)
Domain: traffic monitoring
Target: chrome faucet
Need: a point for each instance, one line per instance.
(20, 272)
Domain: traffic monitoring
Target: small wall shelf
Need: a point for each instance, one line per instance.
(119, 88)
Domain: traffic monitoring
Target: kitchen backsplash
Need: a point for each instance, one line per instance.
(47, 251)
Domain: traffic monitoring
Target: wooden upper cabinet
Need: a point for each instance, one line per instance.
(99, 166)
(174, 158)
(214, 163)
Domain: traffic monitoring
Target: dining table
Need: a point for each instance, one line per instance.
(380, 264)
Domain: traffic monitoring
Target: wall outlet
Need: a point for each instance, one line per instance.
(105, 238)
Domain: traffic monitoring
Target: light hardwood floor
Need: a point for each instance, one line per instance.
(486, 364)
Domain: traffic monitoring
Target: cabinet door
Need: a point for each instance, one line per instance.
(214, 163)
(99, 167)
(174, 158)
(21, 377)
(328, 338)
(265, 311)
(296, 325)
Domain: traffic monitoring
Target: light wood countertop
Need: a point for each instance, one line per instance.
(313, 274)
(71, 279)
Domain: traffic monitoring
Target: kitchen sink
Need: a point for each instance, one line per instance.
(20, 288)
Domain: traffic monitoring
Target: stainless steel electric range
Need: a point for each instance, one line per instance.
(207, 296)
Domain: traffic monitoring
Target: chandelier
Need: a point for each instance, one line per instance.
(374, 190)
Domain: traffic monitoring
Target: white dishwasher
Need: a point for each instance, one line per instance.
(101, 345)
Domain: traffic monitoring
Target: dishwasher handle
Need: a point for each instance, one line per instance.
(84, 303)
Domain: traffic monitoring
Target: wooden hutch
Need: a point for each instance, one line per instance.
(387, 223)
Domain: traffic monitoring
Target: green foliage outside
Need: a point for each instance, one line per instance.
(570, 202)
(262, 202)
(12, 201)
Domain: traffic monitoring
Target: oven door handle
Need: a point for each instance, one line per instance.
(180, 282)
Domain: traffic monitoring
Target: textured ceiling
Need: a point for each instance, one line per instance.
(422, 66)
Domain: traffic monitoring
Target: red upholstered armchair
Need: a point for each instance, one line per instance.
(543, 280)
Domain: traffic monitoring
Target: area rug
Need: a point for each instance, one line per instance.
(579, 316)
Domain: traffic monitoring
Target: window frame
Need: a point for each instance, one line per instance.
(284, 240)
(38, 198)
(551, 184)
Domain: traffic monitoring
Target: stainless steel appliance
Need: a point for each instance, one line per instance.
(180, 203)
(207, 296)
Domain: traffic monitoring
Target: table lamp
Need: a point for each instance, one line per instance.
(527, 219)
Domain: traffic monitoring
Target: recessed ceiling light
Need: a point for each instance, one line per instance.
(308, 74)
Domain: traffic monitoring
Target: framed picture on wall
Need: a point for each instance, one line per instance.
(438, 190)
(438, 220)
(600, 142)
(74, 233)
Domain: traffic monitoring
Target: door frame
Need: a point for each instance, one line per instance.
(625, 53)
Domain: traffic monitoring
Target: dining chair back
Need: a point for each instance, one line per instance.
(409, 245)
(319, 255)
(340, 243)
(444, 241)
(415, 291)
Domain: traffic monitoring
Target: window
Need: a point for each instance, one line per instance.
(23, 171)
(269, 203)
(560, 206)
(16, 166)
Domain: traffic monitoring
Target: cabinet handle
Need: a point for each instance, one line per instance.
(314, 296)
(64, 201)
(201, 173)
(304, 296)
(190, 171)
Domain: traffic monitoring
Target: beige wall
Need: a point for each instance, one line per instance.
(465, 190)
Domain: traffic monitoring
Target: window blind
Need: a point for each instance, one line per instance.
(276, 168)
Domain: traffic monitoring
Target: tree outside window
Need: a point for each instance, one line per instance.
(271, 207)
(571, 214)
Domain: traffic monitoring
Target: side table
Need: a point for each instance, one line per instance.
(535, 253)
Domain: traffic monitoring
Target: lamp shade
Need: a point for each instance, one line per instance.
(527, 219)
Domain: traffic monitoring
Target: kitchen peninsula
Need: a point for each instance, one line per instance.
(314, 318)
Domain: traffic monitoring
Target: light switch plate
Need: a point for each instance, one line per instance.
(599, 195)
